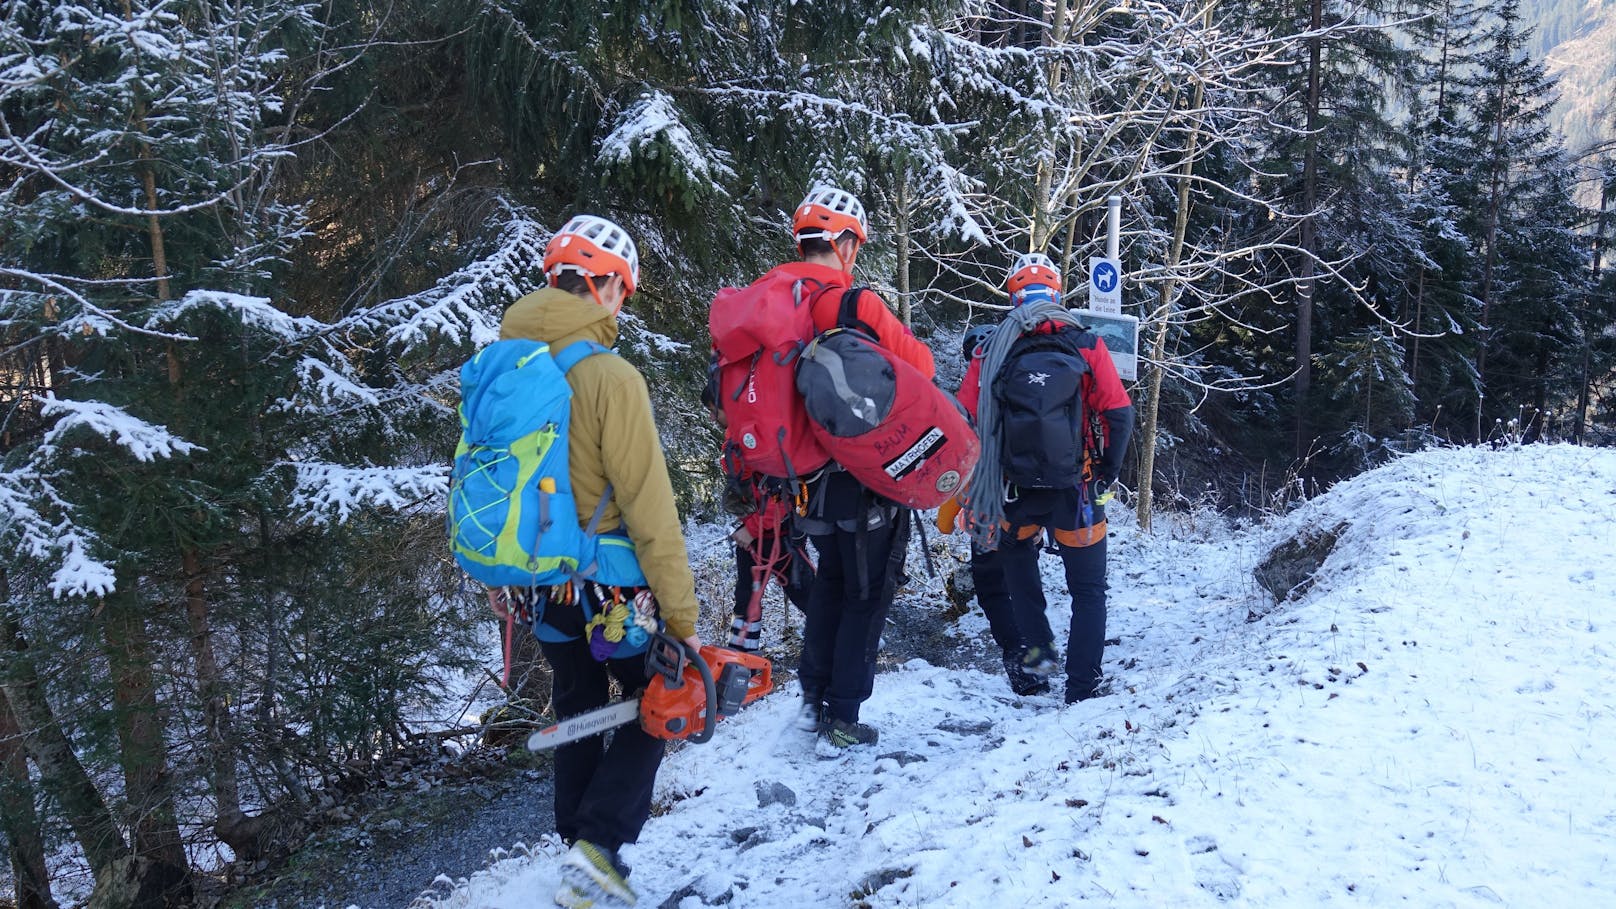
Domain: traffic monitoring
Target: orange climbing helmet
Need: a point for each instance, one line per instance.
(593, 247)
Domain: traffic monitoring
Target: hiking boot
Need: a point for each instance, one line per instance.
(595, 875)
(812, 717)
(1023, 682)
(745, 636)
(570, 897)
(845, 735)
(1042, 662)
(1103, 689)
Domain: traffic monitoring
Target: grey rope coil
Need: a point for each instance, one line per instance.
(983, 502)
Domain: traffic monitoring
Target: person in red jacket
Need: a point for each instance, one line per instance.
(860, 537)
(1009, 586)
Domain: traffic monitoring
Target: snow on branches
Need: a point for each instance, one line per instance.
(333, 493)
(26, 497)
(652, 139)
(143, 440)
(254, 312)
(462, 307)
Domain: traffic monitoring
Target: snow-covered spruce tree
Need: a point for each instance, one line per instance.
(1528, 271)
(1330, 162)
(1439, 311)
(158, 406)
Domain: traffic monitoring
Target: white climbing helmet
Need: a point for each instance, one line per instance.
(827, 212)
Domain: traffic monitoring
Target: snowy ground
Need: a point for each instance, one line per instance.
(1431, 724)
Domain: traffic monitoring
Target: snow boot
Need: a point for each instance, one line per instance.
(1042, 662)
(593, 878)
(812, 716)
(843, 734)
(1023, 682)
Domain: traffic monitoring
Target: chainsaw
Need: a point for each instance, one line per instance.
(684, 700)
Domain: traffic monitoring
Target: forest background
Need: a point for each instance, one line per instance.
(245, 244)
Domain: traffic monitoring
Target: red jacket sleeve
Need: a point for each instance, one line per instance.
(970, 390)
(889, 332)
(1106, 396)
(1106, 392)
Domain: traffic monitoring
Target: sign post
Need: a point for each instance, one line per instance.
(1104, 313)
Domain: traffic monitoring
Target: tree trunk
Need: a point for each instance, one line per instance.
(1419, 327)
(60, 772)
(18, 819)
(1149, 424)
(274, 749)
(1308, 234)
(1602, 225)
(1495, 189)
(901, 222)
(249, 837)
(144, 752)
(1043, 217)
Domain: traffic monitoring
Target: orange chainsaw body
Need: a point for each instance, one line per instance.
(677, 710)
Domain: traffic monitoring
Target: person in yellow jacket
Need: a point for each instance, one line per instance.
(603, 792)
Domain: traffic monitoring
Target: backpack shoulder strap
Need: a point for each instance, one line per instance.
(847, 314)
(565, 361)
(578, 350)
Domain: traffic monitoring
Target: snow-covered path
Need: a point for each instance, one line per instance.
(1429, 724)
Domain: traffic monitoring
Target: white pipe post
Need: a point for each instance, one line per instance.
(1113, 226)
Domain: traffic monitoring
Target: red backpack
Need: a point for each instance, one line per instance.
(881, 419)
(759, 332)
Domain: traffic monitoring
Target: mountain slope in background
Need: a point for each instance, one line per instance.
(1429, 724)
(1577, 40)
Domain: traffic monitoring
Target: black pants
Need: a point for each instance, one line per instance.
(1017, 611)
(602, 792)
(987, 576)
(797, 573)
(847, 609)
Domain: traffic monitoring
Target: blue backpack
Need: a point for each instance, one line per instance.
(512, 518)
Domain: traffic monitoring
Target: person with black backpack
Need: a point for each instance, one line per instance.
(621, 485)
(1054, 421)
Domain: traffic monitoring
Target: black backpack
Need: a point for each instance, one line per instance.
(1039, 391)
